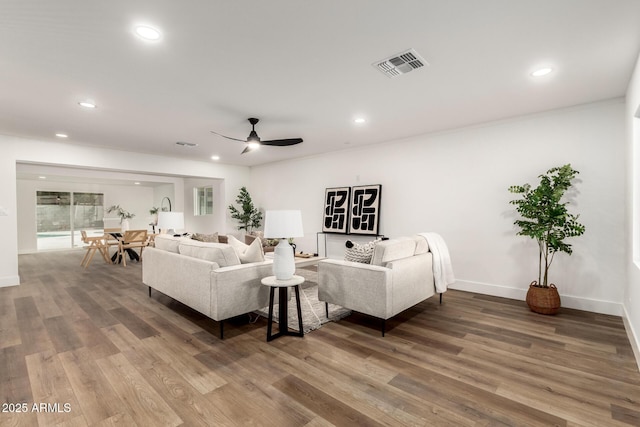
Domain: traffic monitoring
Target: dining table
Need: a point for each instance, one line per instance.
(115, 258)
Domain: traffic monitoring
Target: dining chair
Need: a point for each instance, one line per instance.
(111, 237)
(93, 244)
(130, 240)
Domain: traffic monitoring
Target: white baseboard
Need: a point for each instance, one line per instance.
(633, 337)
(579, 303)
(9, 281)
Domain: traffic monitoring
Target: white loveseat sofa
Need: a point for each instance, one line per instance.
(207, 277)
(399, 276)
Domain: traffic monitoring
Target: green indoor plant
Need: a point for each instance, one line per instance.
(545, 218)
(248, 215)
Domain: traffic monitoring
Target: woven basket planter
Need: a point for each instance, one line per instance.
(543, 300)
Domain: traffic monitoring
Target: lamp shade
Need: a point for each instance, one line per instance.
(283, 224)
(171, 220)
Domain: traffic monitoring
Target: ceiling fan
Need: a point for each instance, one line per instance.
(253, 140)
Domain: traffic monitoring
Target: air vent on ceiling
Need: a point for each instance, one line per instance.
(186, 144)
(401, 63)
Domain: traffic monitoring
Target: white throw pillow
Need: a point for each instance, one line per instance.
(247, 253)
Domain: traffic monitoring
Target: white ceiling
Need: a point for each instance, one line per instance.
(303, 67)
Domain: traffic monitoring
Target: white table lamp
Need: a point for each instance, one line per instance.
(171, 221)
(283, 225)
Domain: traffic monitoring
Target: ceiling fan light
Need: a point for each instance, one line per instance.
(253, 145)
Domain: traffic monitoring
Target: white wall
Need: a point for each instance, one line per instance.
(15, 150)
(455, 183)
(632, 260)
(207, 224)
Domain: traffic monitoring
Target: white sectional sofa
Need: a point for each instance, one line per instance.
(207, 277)
(399, 276)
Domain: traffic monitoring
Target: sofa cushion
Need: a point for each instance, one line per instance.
(249, 238)
(213, 238)
(167, 242)
(422, 247)
(220, 253)
(360, 252)
(247, 253)
(393, 249)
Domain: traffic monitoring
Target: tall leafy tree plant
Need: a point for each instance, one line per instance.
(545, 217)
(248, 215)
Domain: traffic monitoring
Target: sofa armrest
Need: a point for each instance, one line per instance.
(361, 287)
(183, 278)
(412, 281)
(237, 289)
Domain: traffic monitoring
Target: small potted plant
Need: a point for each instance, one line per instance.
(545, 218)
(125, 216)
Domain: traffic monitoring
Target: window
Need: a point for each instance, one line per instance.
(61, 215)
(203, 201)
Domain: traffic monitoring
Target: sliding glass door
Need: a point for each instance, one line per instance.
(62, 215)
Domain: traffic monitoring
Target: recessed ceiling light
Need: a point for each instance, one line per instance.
(87, 104)
(147, 33)
(42, 177)
(359, 120)
(215, 157)
(62, 135)
(542, 72)
(136, 183)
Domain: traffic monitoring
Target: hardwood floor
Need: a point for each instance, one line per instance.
(93, 346)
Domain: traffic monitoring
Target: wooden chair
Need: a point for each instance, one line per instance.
(96, 243)
(130, 240)
(111, 237)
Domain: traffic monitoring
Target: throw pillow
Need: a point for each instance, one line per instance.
(247, 253)
(211, 238)
(360, 253)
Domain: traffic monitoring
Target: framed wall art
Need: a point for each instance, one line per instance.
(335, 218)
(364, 209)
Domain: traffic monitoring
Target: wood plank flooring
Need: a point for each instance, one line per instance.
(89, 347)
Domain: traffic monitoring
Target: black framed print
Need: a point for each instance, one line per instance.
(364, 209)
(335, 218)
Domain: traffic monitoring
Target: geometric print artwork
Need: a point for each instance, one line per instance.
(335, 218)
(365, 209)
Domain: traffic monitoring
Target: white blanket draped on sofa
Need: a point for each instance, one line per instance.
(442, 269)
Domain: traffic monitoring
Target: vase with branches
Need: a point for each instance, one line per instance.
(123, 214)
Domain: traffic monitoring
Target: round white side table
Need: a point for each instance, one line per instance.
(282, 285)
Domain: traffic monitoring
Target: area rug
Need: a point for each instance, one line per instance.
(313, 310)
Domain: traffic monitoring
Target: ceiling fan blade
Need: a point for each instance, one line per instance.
(246, 150)
(282, 142)
(228, 137)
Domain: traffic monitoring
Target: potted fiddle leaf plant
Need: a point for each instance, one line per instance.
(248, 215)
(546, 219)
